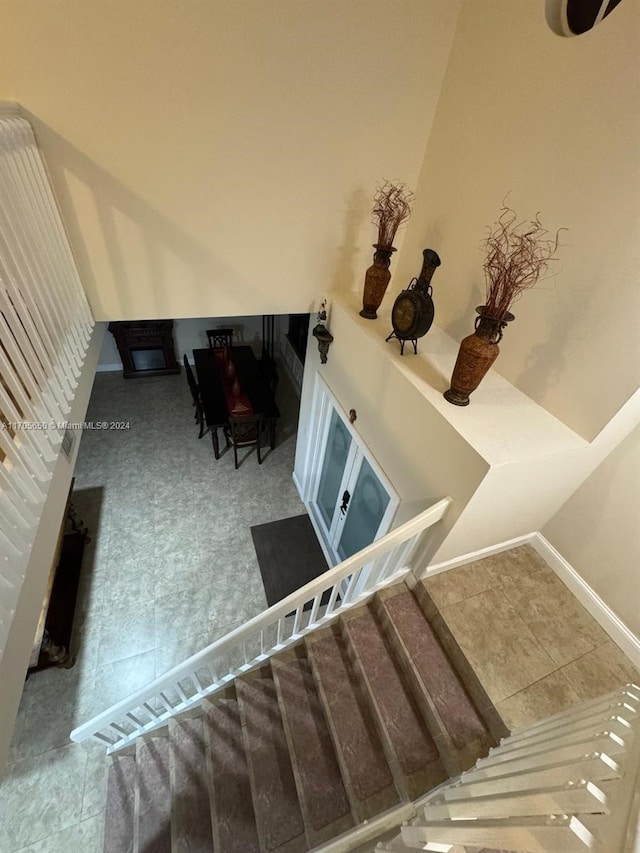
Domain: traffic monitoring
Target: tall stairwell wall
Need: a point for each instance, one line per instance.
(551, 122)
(597, 530)
(221, 162)
(519, 498)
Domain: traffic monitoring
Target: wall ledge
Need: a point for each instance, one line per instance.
(502, 424)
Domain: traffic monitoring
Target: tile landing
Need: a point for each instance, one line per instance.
(534, 649)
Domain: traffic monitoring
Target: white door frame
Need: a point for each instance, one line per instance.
(323, 402)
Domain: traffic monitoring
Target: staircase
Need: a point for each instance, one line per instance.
(357, 719)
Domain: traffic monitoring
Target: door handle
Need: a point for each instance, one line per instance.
(345, 502)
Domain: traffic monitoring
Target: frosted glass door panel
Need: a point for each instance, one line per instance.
(335, 458)
(367, 506)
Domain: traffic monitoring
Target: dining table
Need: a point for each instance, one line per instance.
(251, 392)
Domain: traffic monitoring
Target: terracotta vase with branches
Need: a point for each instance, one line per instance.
(392, 205)
(517, 255)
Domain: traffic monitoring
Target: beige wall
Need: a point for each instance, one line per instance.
(217, 158)
(423, 456)
(554, 122)
(598, 533)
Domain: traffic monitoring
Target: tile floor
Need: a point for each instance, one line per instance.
(170, 567)
(541, 651)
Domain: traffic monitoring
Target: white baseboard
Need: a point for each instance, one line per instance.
(590, 600)
(463, 559)
(108, 368)
(621, 635)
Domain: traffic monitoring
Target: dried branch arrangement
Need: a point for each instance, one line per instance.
(518, 254)
(392, 205)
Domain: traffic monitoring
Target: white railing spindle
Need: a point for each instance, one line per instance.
(554, 801)
(45, 329)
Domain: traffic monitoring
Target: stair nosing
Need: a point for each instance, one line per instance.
(172, 783)
(212, 800)
(250, 771)
(376, 714)
(360, 807)
(136, 806)
(250, 762)
(354, 803)
(311, 834)
(472, 684)
(426, 704)
(294, 761)
(156, 734)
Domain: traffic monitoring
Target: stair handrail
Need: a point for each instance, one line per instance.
(351, 582)
(569, 782)
(46, 326)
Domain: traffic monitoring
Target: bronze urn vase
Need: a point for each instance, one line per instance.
(376, 280)
(476, 355)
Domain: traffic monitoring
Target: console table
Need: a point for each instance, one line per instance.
(51, 646)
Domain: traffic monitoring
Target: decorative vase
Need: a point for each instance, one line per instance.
(476, 355)
(376, 280)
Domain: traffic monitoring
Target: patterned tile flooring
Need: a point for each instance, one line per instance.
(170, 567)
(540, 652)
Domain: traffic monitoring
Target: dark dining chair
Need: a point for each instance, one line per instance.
(220, 338)
(244, 431)
(195, 394)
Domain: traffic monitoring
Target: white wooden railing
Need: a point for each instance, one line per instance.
(347, 585)
(568, 783)
(45, 328)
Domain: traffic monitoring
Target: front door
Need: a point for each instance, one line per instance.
(351, 502)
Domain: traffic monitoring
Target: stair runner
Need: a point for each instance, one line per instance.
(357, 718)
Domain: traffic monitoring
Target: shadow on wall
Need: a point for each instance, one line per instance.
(547, 361)
(463, 322)
(158, 236)
(345, 269)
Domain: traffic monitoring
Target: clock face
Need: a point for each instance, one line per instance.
(412, 315)
(403, 315)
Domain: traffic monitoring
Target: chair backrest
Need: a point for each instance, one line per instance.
(245, 430)
(220, 338)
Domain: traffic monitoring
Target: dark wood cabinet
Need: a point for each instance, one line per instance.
(145, 347)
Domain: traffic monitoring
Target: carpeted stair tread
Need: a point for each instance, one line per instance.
(362, 754)
(234, 821)
(275, 798)
(325, 801)
(190, 788)
(121, 795)
(457, 712)
(154, 795)
(406, 728)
